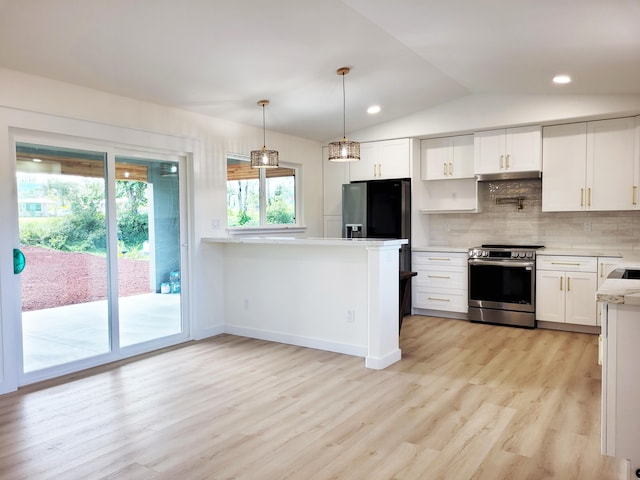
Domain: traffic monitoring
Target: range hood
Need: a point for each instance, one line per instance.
(484, 177)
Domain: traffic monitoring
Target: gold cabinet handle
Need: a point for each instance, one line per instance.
(450, 168)
(440, 259)
(560, 283)
(501, 161)
(444, 169)
(439, 276)
(568, 284)
(601, 270)
(440, 299)
(573, 264)
(582, 197)
(507, 165)
(634, 195)
(588, 197)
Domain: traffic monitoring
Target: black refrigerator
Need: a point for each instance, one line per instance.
(379, 209)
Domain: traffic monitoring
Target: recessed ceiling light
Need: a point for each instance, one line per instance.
(37, 160)
(562, 79)
(373, 109)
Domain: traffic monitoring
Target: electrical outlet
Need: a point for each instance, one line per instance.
(215, 223)
(351, 316)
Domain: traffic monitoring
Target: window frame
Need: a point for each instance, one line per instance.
(264, 227)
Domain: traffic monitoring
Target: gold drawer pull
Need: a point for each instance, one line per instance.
(440, 258)
(568, 284)
(575, 264)
(560, 283)
(440, 299)
(439, 276)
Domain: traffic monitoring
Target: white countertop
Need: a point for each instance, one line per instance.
(589, 252)
(339, 242)
(620, 290)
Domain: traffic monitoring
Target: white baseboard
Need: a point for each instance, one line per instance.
(208, 332)
(380, 363)
(310, 342)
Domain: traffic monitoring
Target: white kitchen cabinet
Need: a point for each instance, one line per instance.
(441, 283)
(508, 150)
(334, 174)
(605, 266)
(620, 386)
(382, 160)
(566, 289)
(450, 196)
(447, 158)
(589, 166)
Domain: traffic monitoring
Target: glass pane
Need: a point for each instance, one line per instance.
(62, 225)
(280, 196)
(243, 194)
(148, 218)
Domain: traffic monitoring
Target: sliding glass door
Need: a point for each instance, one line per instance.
(149, 274)
(101, 235)
(63, 234)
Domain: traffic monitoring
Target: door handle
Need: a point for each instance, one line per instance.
(450, 168)
(568, 284)
(560, 283)
(18, 261)
(507, 158)
(501, 161)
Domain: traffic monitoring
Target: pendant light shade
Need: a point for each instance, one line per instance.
(264, 158)
(344, 150)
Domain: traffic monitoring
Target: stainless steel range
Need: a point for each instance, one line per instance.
(502, 284)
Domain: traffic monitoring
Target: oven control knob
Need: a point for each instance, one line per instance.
(485, 253)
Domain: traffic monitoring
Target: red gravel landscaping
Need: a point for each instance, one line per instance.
(53, 278)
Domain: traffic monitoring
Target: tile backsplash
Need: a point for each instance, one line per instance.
(500, 221)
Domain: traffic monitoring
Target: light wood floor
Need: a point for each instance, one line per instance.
(467, 401)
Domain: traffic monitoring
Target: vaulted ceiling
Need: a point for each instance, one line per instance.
(220, 57)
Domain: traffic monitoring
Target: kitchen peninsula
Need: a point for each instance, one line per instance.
(333, 294)
(620, 389)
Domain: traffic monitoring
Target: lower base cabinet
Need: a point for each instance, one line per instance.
(566, 289)
(441, 283)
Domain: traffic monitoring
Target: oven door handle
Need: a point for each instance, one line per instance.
(502, 263)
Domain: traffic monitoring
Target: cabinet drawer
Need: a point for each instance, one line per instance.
(451, 278)
(440, 258)
(431, 299)
(567, 263)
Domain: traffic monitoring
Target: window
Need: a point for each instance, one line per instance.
(258, 197)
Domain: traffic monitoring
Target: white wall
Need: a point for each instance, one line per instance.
(57, 106)
(487, 111)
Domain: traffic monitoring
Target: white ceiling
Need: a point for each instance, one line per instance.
(220, 57)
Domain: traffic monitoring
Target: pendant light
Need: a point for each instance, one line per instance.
(344, 150)
(264, 158)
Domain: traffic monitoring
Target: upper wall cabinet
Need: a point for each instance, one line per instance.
(447, 158)
(590, 166)
(382, 160)
(508, 150)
